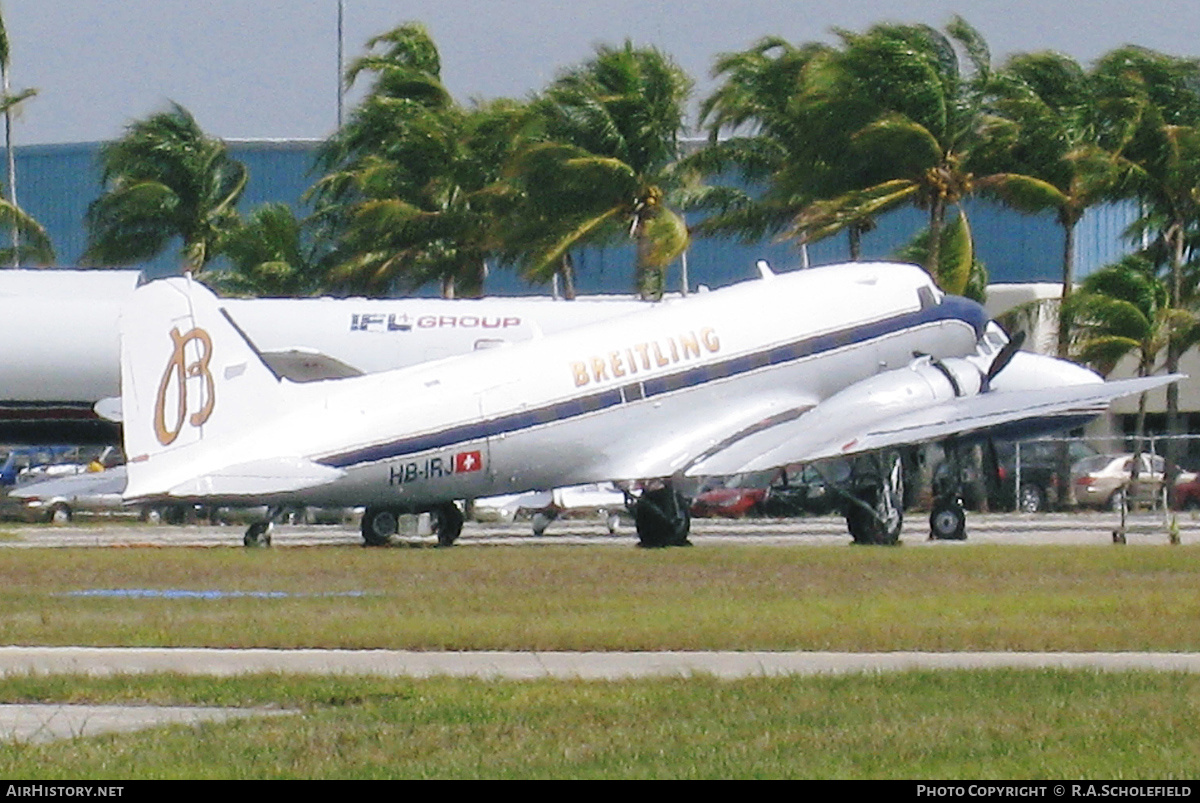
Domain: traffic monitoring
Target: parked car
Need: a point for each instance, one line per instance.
(1104, 481)
(731, 497)
(1187, 494)
(1039, 474)
(793, 491)
(1039, 470)
(807, 491)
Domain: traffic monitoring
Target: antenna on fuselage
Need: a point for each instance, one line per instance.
(764, 270)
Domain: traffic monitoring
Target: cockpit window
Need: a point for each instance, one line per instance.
(926, 297)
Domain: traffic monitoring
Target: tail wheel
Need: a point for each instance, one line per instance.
(379, 524)
(258, 535)
(542, 519)
(447, 523)
(661, 519)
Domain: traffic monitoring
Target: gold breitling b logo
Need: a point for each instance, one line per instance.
(180, 370)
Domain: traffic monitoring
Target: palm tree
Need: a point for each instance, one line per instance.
(602, 168)
(269, 255)
(1151, 106)
(1057, 141)
(911, 115)
(890, 118)
(413, 193)
(759, 127)
(164, 179)
(1123, 310)
(36, 243)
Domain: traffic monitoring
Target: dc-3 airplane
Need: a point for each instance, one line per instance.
(842, 361)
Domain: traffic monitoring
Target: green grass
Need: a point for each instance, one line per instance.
(572, 598)
(962, 724)
(974, 725)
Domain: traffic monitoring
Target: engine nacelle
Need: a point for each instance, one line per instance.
(922, 383)
(919, 385)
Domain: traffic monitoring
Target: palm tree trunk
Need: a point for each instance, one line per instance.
(566, 270)
(648, 278)
(1174, 352)
(1066, 489)
(1068, 285)
(937, 219)
(12, 169)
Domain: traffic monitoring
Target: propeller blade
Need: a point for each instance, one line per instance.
(1005, 356)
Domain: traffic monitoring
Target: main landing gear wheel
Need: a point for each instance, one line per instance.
(948, 521)
(661, 519)
(379, 524)
(875, 513)
(446, 520)
(869, 523)
(258, 534)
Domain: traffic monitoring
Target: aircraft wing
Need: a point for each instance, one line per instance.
(835, 430)
(307, 365)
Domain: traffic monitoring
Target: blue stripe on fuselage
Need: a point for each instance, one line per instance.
(951, 308)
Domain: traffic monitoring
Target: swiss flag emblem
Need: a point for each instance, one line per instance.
(467, 461)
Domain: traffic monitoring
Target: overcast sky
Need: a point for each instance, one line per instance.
(267, 68)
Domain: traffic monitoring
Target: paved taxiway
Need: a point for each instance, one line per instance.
(1001, 528)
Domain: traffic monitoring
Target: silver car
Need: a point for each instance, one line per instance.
(1105, 480)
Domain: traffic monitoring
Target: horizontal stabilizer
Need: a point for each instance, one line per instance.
(802, 440)
(257, 478)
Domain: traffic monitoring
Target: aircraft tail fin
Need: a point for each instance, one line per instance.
(192, 385)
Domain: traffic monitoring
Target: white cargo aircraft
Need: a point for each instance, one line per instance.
(842, 361)
(59, 349)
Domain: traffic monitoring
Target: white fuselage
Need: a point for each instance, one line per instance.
(59, 346)
(635, 397)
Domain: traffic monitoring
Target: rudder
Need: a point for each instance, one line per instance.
(189, 377)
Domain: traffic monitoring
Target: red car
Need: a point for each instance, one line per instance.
(731, 503)
(1187, 494)
(738, 496)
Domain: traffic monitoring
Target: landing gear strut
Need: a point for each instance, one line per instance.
(875, 509)
(381, 524)
(661, 518)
